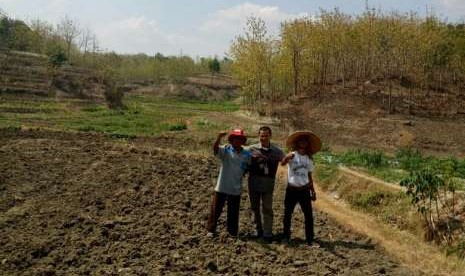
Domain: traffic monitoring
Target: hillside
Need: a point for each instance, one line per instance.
(24, 73)
(352, 120)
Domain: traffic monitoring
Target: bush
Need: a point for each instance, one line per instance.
(179, 126)
(114, 97)
(56, 56)
(410, 159)
(427, 191)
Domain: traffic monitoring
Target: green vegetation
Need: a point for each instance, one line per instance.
(395, 168)
(431, 185)
(143, 116)
(361, 158)
(429, 193)
(67, 42)
(214, 66)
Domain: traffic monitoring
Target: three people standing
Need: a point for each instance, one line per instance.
(261, 160)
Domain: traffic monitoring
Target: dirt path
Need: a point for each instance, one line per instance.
(410, 249)
(375, 180)
(79, 204)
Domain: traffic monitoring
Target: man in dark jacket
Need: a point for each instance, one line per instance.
(262, 174)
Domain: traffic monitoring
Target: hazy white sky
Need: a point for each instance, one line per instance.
(195, 27)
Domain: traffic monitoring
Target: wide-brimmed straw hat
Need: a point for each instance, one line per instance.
(314, 143)
(237, 133)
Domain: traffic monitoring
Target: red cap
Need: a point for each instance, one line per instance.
(237, 133)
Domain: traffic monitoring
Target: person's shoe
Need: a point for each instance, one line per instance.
(313, 244)
(210, 235)
(257, 234)
(268, 239)
(286, 239)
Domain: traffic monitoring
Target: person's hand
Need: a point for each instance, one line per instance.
(289, 156)
(312, 195)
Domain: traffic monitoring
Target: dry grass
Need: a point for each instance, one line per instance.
(409, 249)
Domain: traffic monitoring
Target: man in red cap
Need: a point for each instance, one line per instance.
(235, 161)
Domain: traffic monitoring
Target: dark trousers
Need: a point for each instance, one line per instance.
(301, 196)
(265, 199)
(219, 199)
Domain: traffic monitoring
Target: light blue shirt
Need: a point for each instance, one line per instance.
(233, 167)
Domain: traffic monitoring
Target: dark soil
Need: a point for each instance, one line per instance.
(81, 204)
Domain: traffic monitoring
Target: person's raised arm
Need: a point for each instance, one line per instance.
(216, 145)
(287, 158)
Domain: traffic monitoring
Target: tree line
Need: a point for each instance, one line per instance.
(421, 52)
(68, 43)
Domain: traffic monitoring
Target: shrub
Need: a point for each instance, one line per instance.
(56, 56)
(114, 96)
(178, 126)
(410, 159)
(428, 191)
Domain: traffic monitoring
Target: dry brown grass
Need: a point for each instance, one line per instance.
(409, 249)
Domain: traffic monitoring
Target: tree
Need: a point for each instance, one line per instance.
(68, 30)
(252, 54)
(214, 66)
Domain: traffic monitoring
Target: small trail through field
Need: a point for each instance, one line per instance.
(371, 179)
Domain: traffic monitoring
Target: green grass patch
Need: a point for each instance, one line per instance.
(144, 116)
(364, 158)
(395, 168)
(325, 173)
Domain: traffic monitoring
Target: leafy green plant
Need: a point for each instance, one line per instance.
(428, 193)
(179, 125)
(56, 56)
(410, 159)
(114, 97)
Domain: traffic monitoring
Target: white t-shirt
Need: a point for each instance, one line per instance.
(298, 169)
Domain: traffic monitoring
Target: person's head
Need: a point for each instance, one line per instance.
(264, 134)
(302, 144)
(237, 138)
(305, 142)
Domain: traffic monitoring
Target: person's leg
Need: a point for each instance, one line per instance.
(233, 214)
(267, 207)
(289, 204)
(255, 206)
(215, 211)
(306, 206)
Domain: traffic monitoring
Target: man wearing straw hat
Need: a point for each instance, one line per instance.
(234, 164)
(303, 144)
(262, 174)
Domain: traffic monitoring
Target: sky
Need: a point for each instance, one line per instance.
(196, 27)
